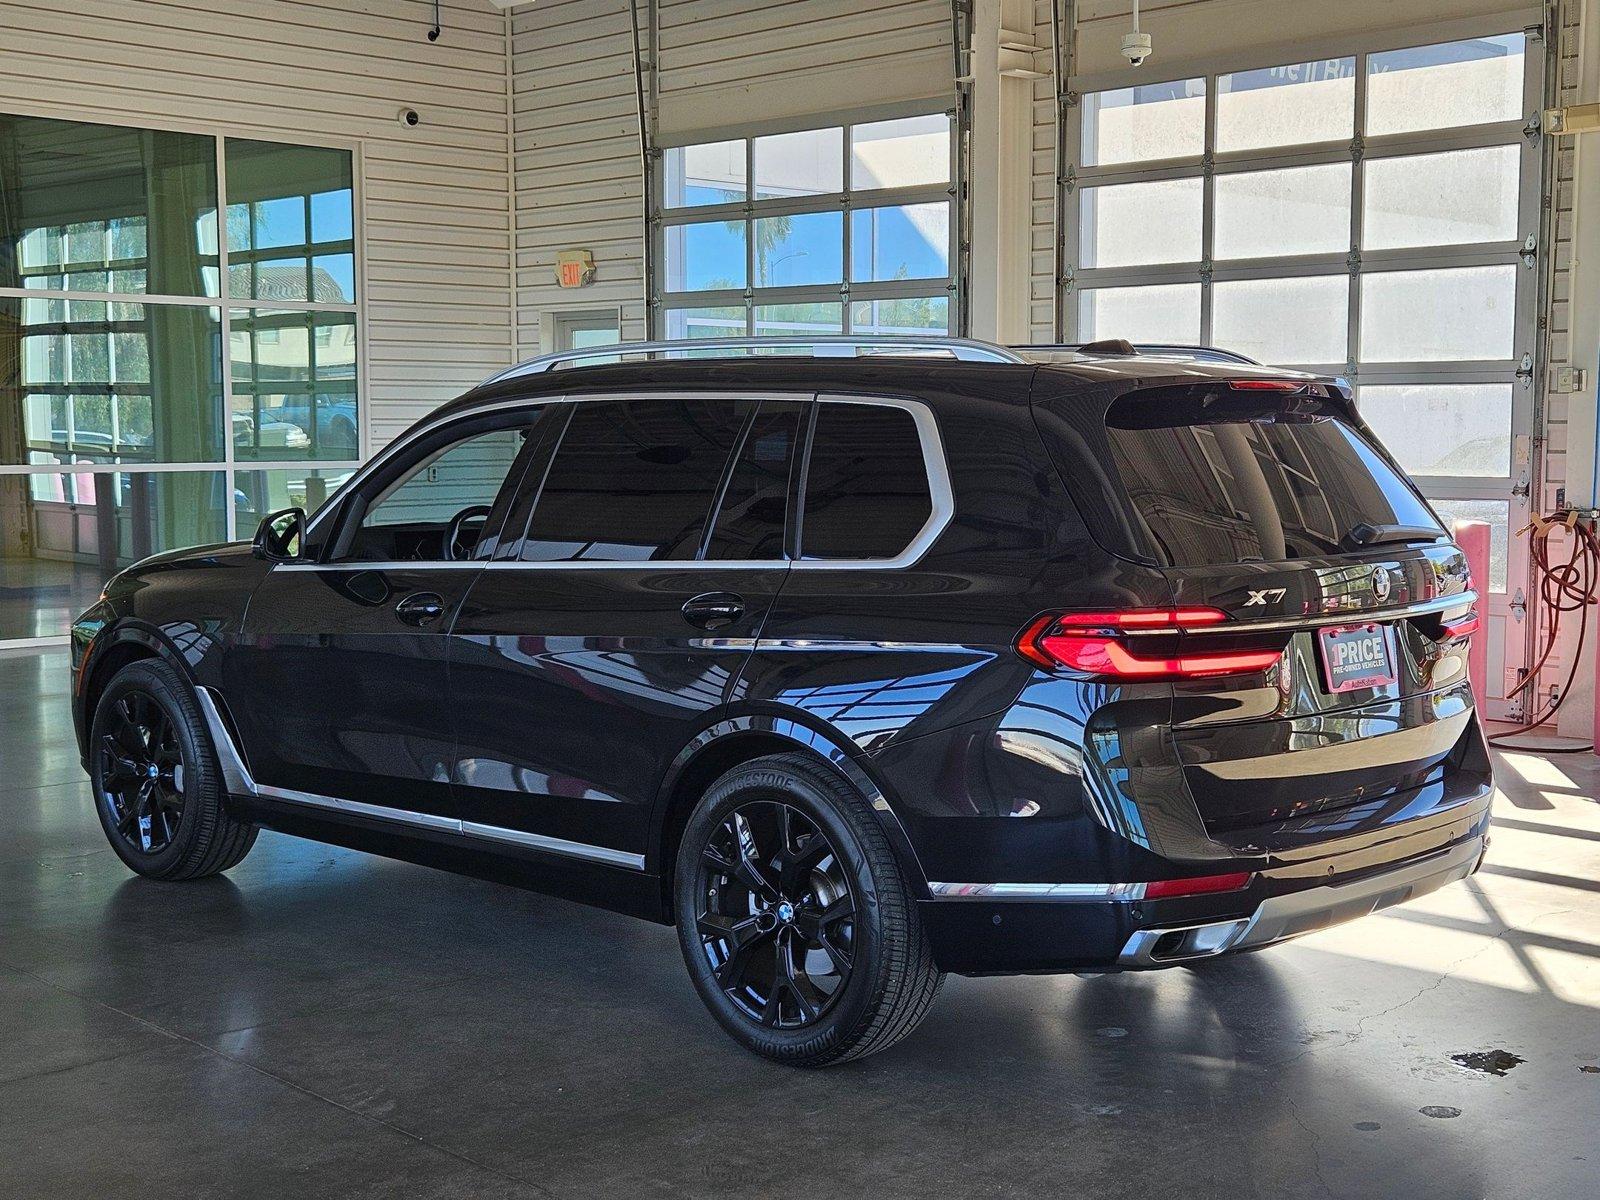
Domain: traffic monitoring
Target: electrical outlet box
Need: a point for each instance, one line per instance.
(1568, 379)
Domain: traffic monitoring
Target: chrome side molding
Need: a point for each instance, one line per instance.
(236, 775)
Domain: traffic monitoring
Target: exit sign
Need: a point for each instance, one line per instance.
(574, 268)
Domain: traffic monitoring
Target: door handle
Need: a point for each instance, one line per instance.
(713, 610)
(420, 608)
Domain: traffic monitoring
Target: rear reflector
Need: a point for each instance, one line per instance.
(1460, 627)
(1199, 885)
(1097, 643)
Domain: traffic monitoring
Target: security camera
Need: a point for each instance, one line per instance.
(408, 117)
(1136, 47)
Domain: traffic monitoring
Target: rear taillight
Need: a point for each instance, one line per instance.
(1459, 627)
(1137, 644)
(1197, 885)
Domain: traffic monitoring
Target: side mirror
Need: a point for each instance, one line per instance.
(281, 536)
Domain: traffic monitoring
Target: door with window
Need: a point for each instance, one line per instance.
(635, 571)
(338, 683)
(1374, 216)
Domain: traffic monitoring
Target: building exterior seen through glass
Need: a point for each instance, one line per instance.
(167, 374)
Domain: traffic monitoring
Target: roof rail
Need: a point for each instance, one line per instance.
(821, 346)
(1175, 349)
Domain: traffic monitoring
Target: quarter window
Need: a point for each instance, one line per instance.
(866, 493)
(633, 480)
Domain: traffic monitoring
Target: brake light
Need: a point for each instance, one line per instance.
(1108, 644)
(1265, 385)
(1460, 627)
(1199, 885)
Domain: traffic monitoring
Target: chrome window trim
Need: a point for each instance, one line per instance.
(238, 780)
(941, 496)
(935, 466)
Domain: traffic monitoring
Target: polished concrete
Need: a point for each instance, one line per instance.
(324, 1023)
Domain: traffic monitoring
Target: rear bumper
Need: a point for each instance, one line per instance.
(1291, 914)
(998, 929)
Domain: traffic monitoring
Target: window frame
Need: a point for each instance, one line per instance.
(332, 528)
(848, 201)
(227, 464)
(1520, 369)
(935, 462)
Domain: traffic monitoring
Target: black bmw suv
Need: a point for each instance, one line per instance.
(858, 669)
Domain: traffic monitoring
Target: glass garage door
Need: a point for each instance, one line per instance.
(842, 229)
(1372, 216)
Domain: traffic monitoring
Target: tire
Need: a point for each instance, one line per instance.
(174, 823)
(811, 954)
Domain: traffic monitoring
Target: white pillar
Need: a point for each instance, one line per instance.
(1578, 716)
(1003, 68)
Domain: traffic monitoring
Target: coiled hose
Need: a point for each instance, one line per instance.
(1562, 588)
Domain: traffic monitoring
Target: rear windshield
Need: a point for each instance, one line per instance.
(1217, 476)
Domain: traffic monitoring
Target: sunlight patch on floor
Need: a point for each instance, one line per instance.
(1540, 772)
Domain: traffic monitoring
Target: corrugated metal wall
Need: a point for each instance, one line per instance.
(437, 211)
(759, 61)
(578, 178)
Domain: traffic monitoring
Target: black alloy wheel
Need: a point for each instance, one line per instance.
(776, 918)
(158, 788)
(800, 932)
(142, 773)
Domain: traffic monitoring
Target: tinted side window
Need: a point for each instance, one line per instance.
(866, 491)
(633, 480)
(407, 520)
(749, 521)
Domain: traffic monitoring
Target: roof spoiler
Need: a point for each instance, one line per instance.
(1120, 346)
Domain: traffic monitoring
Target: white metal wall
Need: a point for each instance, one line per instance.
(775, 60)
(759, 62)
(435, 210)
(578, 177)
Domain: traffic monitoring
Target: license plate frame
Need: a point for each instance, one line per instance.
(1342, 672)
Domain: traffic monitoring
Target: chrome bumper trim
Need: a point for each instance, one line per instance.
(238, 780)
(1294, 913)
(1058, 892)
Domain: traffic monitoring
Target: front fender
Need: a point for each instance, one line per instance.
(101, 643)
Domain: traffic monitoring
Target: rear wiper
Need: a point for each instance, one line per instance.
(1365, 534)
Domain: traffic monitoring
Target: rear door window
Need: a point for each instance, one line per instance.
(866, 488)
(750, 519)
(1217, 476)
(633, 480)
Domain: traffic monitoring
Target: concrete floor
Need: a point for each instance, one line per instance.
(325, 1023)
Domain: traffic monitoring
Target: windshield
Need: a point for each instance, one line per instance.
(1216, 476)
